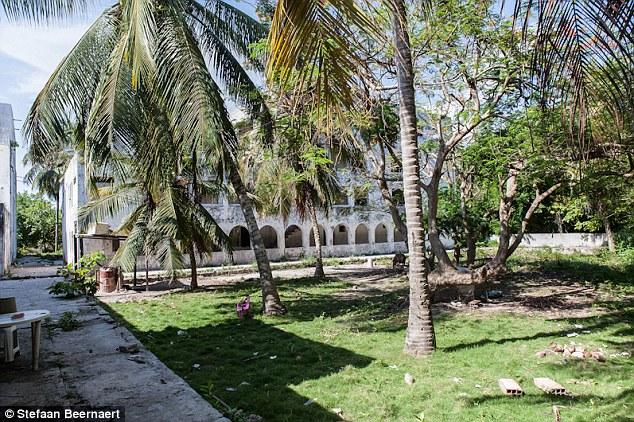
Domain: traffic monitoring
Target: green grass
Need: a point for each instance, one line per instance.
(347, 354)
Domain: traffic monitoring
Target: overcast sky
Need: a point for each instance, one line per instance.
(29, 54)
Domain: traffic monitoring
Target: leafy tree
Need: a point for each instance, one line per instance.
(36, 223)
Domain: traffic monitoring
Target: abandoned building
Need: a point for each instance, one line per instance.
(358, 224)
(8, 189)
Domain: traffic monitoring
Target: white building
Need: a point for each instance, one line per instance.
(8, 189)
(364, 228)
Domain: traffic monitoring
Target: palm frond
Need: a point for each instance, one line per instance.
(43, 11)
(311, 43)
(193, 100)
(584, 52)
(69, 92)
(112, 201)
(236, 30)
(232, 74)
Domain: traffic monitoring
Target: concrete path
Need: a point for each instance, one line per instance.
(83, 367)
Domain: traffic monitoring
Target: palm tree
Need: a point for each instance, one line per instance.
(573, 37)
(329, 38)
(298, 174)
(154, 181)
(165, 47)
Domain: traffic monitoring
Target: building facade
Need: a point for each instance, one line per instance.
(354, 226)
(8, 189)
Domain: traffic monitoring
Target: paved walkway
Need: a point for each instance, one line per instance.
(83, 367)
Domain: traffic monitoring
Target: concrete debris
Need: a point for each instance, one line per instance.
(309, 402)
(409, 379)
(549, 386)
(510, 387)
(572, 350)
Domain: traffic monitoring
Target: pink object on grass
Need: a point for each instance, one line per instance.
(243, 308)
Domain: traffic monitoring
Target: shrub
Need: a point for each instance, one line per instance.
(78, 281)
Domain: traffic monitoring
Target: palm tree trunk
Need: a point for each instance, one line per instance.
(319, 265)
(192, 262)
(420, 339)
(271, 303)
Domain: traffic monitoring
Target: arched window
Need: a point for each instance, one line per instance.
(340, 235)
(380, 234)
(240, 239)
(269, 236)
(293, 237)
(322, 235)
(361, 235)
(398, 237)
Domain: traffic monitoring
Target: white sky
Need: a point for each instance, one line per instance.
(29, 54)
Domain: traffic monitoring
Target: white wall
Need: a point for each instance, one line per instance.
(563, 240)
(8, 188)
(73, 196)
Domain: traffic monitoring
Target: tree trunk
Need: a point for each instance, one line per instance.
(194, 271)
(607, 226)
(469, 235)
(394, 211)
(539, 198)
(420, 339)
(508, 189)
(319, 264)
(271, 303)
(438, 249)
(505, 247)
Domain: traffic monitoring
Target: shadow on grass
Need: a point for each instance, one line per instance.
(592, 323)
(251, 366)
(618, 407)
(596, 269)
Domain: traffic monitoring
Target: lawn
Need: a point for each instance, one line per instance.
(340, 356)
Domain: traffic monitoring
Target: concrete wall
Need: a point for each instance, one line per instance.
(73, 196)
(8, 189)
(572, 241)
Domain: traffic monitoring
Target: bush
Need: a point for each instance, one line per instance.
(78, 281)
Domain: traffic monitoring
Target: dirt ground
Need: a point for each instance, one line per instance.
(528, 293)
